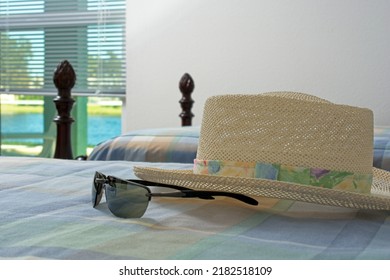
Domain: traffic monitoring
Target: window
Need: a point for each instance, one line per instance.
(36, 35)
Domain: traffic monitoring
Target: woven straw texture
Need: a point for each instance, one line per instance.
(379, 198)
(287, 128)
(290, 128)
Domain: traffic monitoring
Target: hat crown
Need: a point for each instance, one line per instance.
(287, 128)
(287, 146)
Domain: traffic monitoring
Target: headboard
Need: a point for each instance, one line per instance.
(64, 79)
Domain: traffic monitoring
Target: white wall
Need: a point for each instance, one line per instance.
(336, 49)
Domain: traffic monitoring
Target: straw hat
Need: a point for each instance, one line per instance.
(285, 145)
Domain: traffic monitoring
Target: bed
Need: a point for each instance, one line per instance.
(47, 213)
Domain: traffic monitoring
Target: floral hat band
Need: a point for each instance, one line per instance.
(317, 177)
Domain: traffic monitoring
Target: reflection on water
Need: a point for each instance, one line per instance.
(100, 128)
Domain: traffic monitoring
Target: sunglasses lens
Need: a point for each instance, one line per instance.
(126, 200)
(97, 189)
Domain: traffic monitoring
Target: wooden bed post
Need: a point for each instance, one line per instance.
(186, 86)
(64, 79)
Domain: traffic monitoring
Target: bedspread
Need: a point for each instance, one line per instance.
(46, 213)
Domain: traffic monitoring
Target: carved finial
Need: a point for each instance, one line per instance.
(64, 78)
(186, 86)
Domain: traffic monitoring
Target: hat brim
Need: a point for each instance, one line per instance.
(378, 199)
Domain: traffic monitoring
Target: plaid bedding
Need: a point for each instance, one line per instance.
(180, 145)
(382, 147)
(46, 213)
(151, 145)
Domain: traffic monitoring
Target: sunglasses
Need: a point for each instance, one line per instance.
(130, 198)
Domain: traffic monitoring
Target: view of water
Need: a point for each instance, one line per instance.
(100, 128)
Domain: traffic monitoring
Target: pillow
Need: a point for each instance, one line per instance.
(151, 145)
(180, 145)
(382, 147)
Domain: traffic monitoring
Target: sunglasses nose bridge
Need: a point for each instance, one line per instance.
(99, 183)
(100, 180)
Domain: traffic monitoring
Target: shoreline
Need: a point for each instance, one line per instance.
(25, 150)
(92, 109)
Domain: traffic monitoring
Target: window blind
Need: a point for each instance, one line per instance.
(35, 35)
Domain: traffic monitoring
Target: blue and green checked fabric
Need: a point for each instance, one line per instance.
(382, 147)
(46, 213)
(151, 145)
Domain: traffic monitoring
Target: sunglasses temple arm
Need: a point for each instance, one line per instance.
(182, 194)
(241, 197)
(208, 195)
(153, 184)
(186, 192)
